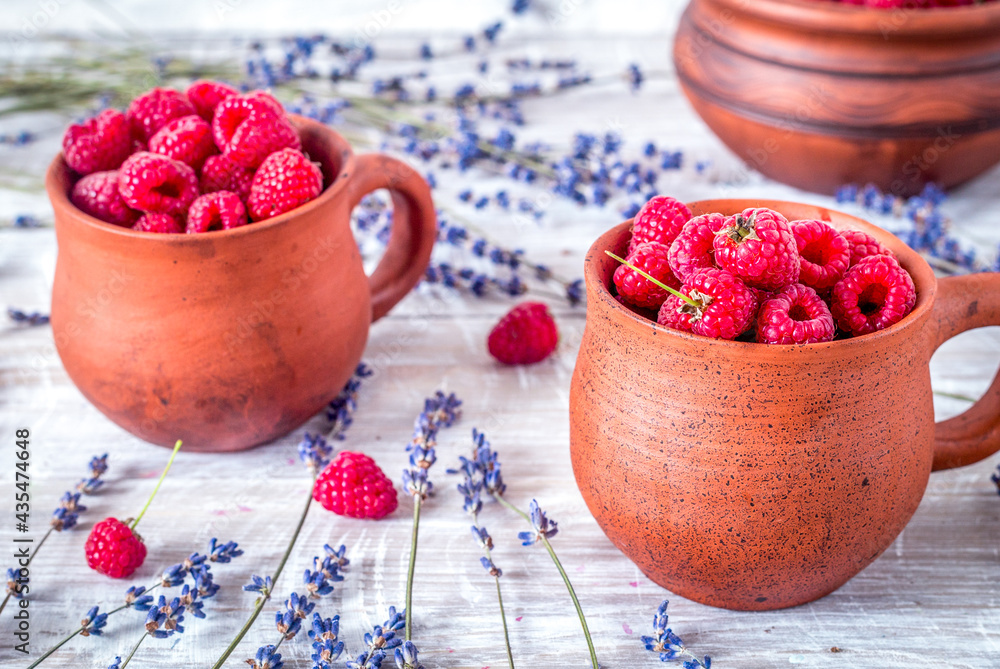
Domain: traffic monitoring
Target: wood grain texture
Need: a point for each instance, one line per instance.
(932, 598)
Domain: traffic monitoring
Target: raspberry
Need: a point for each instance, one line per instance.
(692, 250)
(794, 315)
(284, 181)
(758, 246)
(659, 220)
(157, 223)
(353, 485)
(205, 96)
(634, 288)
(97, 194)
(113, 549)
(153, 183)
(863, 245)
(221, 210)
(99, 144)
(220, 173)
(824, 254)
(724, 307)
(526, 335)
(873, 295)
(154, 109)
(187, 139)
(249, 128)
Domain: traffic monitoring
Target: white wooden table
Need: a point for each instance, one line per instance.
(933, 599)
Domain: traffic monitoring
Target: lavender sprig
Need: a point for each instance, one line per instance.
(439, 411)
(669, 645)
(327, 649)
(27, 318)
(64, 517)
(484, 468)
(995, 477)
(379, 641)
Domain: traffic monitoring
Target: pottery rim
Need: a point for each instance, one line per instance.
(597, 277)
(344, 162)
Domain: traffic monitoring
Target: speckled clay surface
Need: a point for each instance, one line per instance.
(229, 339)
(756, 477)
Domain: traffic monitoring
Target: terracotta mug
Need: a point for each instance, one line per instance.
(754, 477)
(232, 338)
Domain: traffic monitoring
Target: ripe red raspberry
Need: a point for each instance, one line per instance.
(205, 96)
(525, 335)
(353, 485)
(758, 246)
(724, 307)
(863, 245)
(153, 183)
(187, 139)
(97, 194)
(873, 295)
(249, 128)
(692, 250)
(824, 254)
(221, 210)
(659, 220)
(794, 315)
(220, 173)
(113, 549)
(284, 181)
(99, 144)
(154, 109)
(154, 222)
(634, 288)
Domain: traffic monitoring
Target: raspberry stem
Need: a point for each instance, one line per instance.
(149, 501)
(662, 285)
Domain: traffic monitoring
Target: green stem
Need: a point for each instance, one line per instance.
(503, 618)
(30, 558)
(413, 563)
(662, 285)
(940, 393)
(74, 633)
(265, 596)
(134, 648)
(565, 578)
(166, 469)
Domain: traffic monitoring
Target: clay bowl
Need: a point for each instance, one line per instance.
(818, 94)
(757, 477)
(232, 338)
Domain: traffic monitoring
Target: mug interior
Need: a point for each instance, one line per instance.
(600, 267)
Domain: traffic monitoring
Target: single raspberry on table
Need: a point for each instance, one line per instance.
(221, 210)
(154, 109)
(824, 254)
(525, 335)
(98, 144)
(97, 194)
(873, 295)
(794, 315)
(659, 220)
(863, 245)
(693, 249)
(637, 290)
(187, 139)
(353, 485)
(249, 128)
(757, 245)
(719, 305)
(220, 173)
(154, 222)
(284, 181)
(113, 549)
(206, 95)
(153, 183)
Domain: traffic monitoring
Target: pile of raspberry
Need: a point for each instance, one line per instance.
(202, 160)
(755, 276)
(911, 4)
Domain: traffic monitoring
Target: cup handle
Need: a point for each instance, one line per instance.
(414, 226)
(965, 303)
